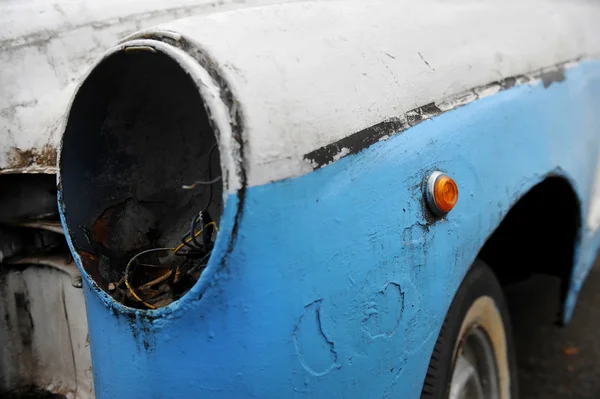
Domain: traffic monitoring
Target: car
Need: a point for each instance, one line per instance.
(322, 198)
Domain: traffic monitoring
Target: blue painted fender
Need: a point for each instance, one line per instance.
(338, 283)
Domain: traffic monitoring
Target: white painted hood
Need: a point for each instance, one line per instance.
(309, 74)
(47, 47)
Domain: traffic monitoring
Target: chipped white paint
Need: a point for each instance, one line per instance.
(343, 152)
(47, 46)
(311, 73)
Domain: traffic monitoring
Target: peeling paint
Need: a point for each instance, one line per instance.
(357, 142)
(548, 77)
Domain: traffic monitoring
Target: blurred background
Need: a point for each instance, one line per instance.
(556, 361)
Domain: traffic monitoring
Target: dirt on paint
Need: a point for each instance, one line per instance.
(45, 156)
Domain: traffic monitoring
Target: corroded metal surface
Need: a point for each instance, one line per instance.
(31, 160)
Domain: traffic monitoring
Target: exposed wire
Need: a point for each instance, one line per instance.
(157, 280)
(201, 183)
(177, 275)
(200, 262)
(203, 249)
(132, 291)
(178, 248)
(210, 180)
(196, 245)
(127, 271)
(193, 229)
(175, 252)
(210, 188)
(206, 235)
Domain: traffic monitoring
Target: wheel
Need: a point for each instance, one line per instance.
(473, 357)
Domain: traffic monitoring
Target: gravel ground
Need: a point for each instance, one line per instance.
(556, 362)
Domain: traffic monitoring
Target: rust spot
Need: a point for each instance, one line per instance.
(18, 158)
(88, 259)
(90, 263)
(101, 227)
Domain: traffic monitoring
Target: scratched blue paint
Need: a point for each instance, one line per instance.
(337, 285)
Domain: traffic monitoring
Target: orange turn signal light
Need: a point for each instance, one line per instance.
(442, 193)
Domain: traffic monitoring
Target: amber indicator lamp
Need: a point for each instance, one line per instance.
(441, 193)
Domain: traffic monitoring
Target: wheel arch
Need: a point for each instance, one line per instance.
(539, 234)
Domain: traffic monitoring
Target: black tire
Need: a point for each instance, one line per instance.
(480, 285)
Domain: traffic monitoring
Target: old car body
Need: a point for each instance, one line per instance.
(46, 49)
(329, 276)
